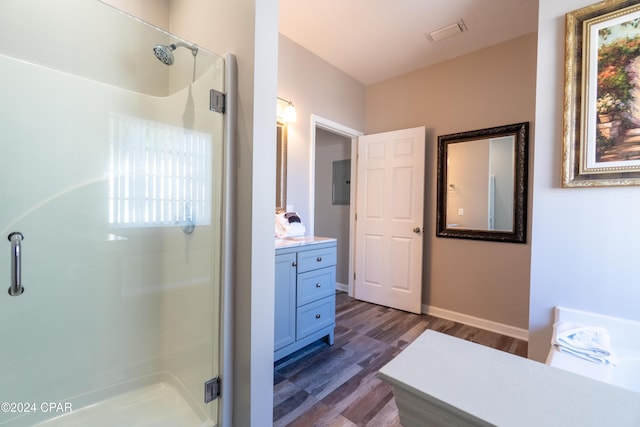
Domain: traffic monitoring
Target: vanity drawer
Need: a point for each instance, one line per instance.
(316, 284)
(316, 258)
(315, 316)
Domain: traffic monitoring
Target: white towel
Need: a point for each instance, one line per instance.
(590, 343)
(296, 230)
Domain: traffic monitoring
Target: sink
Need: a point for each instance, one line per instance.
(624, 343)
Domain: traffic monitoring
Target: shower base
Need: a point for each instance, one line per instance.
(159, 400)
(157, 405)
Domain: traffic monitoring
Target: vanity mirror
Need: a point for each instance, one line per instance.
(482, 184)
(281, 166)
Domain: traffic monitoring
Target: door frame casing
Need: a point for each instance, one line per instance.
(352, 134)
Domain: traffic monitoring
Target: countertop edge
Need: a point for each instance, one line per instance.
(290, 242)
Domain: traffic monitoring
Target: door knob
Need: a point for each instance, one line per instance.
(417, 230)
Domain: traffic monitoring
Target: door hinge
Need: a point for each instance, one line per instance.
(211, 389)
(217, 101)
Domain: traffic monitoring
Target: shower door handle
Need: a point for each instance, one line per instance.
(16, 263)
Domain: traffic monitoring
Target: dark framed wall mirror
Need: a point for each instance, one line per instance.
(482, 184)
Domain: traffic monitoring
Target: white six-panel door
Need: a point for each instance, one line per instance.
(389, 229)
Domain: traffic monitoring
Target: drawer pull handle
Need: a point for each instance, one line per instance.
(319, 259)
(317, 316)
(318, 285)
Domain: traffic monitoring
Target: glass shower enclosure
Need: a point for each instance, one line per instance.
(110, 206)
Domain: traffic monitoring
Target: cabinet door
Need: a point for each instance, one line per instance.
(285, 301)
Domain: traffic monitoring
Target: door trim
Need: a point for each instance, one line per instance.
(353, 134)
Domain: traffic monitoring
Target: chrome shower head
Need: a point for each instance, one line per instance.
(165, 52)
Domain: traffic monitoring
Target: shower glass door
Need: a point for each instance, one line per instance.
(111, 172)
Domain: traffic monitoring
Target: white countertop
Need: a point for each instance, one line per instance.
(503, 389)
(289, 242)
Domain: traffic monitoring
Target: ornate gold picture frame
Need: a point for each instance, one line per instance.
(601, 144)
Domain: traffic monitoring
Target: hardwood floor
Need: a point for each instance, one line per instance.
(322, 385)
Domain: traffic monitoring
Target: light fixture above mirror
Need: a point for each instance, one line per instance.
(286, 112)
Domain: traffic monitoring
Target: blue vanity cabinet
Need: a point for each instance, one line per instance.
(285, 301)
(305, 299)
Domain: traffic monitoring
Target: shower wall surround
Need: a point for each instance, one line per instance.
(118, 296)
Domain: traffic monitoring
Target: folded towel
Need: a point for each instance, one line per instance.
(590, 343)
(296, 230)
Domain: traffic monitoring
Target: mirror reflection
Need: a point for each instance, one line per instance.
(281, 167)
(482, 184)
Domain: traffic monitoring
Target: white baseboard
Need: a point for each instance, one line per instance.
(489, 325)
(342, 287)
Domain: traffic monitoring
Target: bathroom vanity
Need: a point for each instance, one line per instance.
(305, 286)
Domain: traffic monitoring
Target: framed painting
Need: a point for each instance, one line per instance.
(601, 144)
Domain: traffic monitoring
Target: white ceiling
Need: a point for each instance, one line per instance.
(373, 40)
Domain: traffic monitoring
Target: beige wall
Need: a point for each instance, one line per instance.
(491, 87)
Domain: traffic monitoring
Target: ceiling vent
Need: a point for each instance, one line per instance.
(447, 31)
